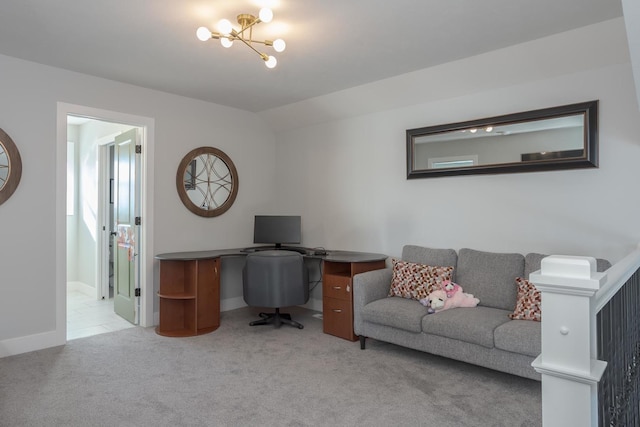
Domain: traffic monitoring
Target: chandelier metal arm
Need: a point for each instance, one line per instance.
(263, 42)
(236, 35)
(248, 26)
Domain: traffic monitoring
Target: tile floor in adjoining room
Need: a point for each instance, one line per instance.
(87, 316)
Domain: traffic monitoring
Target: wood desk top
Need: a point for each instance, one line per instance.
(335, 256)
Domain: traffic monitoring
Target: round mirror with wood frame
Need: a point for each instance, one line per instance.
(207, 181)
(10, 167)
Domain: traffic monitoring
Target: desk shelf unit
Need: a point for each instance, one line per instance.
(337, 295)
(189, 297)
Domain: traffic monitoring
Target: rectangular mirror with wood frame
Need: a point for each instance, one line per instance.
(564, 137)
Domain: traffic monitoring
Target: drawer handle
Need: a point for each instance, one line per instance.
(337, 310)
(337, 288)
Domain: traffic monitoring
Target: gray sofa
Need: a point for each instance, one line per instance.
(483, 335)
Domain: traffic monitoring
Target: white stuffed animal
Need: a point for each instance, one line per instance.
(439, 301)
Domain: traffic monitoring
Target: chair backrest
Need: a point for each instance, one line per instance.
(275, 279)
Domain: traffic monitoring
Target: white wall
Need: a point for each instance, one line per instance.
(350, 184)
(30, 93)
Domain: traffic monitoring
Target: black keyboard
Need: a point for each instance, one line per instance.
(298, 249)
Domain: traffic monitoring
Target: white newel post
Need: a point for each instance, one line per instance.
(568, 365)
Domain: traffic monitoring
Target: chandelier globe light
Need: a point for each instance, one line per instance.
(227, 34)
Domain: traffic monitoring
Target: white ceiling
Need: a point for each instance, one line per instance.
(331, 44)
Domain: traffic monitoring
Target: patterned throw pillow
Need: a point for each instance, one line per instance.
(416, 281)
(528, 306)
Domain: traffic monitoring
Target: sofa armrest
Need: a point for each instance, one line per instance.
(367, 287)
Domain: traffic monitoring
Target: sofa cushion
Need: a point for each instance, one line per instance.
(519, 336)
(429, 256)
(416, 281)
(396, 312)
(532, 262)
(528, 304)
(490, 276)
(472, 325)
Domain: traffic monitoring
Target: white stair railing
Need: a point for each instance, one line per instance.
(568, 365)
(573, 294)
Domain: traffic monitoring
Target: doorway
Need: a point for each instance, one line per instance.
(91, 229)
(91, 232)
(87, 222)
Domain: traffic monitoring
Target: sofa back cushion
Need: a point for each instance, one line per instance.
(430, 256)
(532, 263)
(490, 276)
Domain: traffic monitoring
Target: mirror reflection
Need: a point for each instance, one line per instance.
(207, 181)
(555, 138)
(4, 166)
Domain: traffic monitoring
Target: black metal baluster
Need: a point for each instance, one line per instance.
(618, 326)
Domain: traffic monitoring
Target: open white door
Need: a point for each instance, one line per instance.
(127, 221)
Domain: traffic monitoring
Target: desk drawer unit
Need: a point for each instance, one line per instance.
(338, 287)
(337, 317)
(337, 296)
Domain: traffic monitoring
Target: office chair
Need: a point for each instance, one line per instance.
(275, 279)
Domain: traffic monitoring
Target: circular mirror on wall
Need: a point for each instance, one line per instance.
(10, 167)
(207, 181)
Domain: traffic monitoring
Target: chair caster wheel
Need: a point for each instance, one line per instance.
(301, 326)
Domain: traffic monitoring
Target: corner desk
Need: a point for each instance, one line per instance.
(190, 289)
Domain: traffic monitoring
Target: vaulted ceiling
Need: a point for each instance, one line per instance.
(331, 44)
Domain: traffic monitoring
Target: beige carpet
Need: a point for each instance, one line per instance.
(254, 376)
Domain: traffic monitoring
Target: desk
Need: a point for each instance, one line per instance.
(190, 290)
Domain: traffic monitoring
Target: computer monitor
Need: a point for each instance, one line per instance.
(277, 229)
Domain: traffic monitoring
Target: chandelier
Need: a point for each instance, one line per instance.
(227, 34)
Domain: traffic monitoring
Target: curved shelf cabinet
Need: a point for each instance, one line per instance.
(189, 297)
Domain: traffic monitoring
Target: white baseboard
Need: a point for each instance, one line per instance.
(232, 303)
(314, 304)
(83, 288)
(13, 346)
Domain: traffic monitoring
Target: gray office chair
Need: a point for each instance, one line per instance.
(275, 279)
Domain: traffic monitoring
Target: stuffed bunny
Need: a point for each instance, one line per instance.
(439, 301)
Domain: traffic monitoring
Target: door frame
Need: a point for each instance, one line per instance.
(147, 126)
